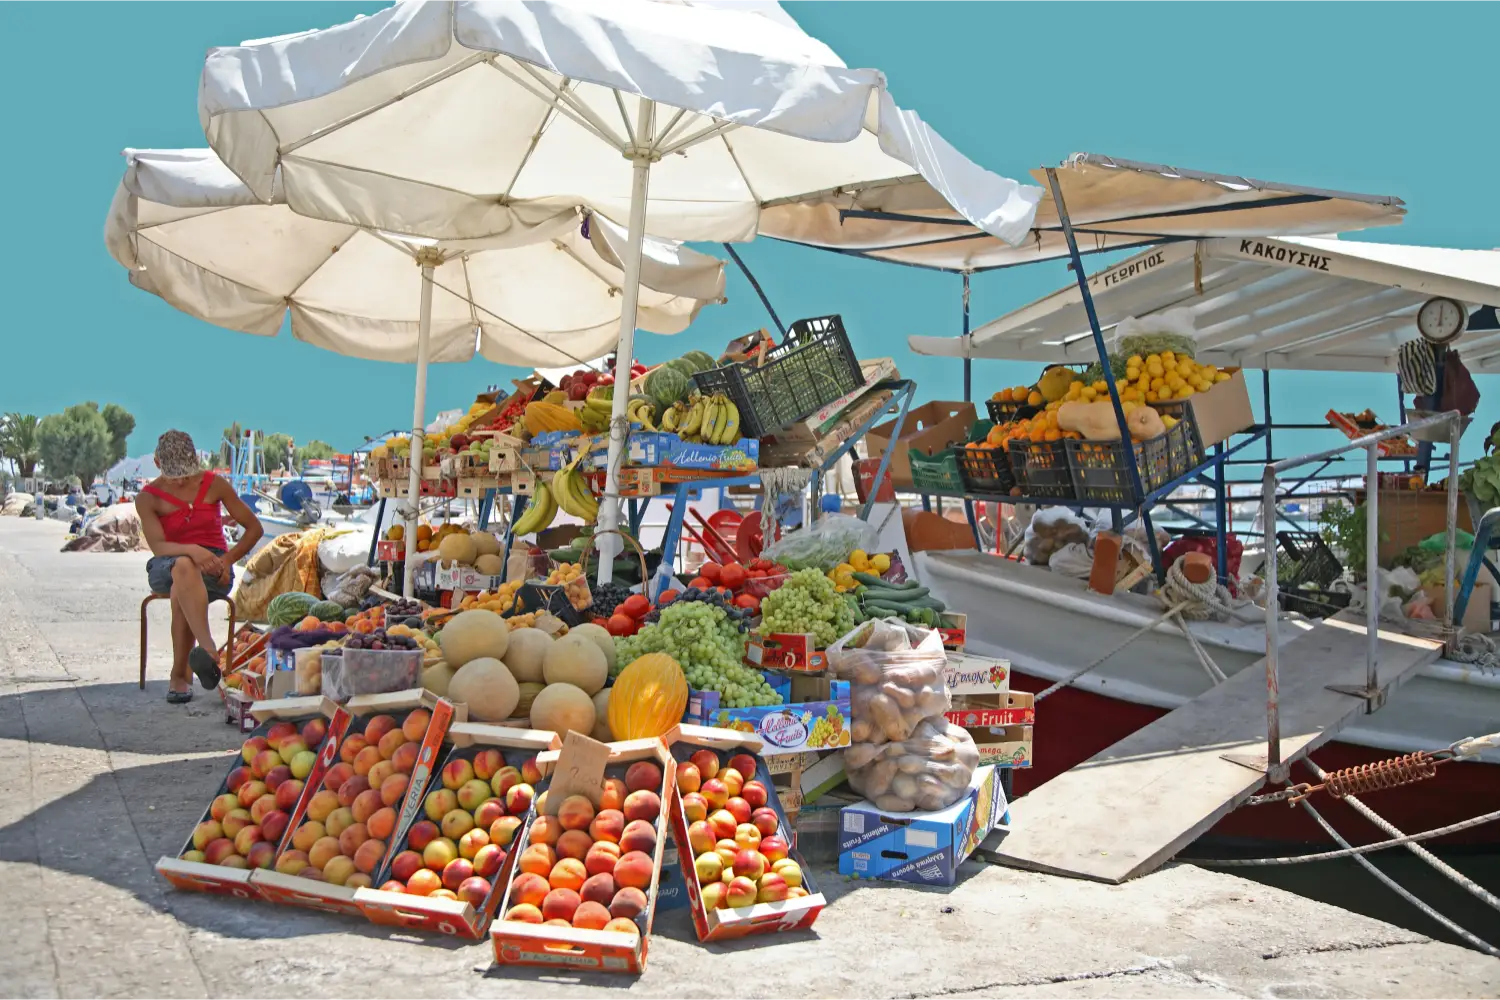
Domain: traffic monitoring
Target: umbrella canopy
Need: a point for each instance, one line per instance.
(190, 232)
(1260, 302)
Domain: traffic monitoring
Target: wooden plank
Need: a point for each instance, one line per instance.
(1134, 805)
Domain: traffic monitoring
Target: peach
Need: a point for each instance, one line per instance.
(338, 870)
(749, 864)
(444, 893)
(568, 873)
(772, 888)
(531, 771)
(437, 854)
(382, 823)
(519, 797)
(470, 843)
(311, 874)
(308, 834)
(694, 807)
(487, 812)
(643, 775)
(574, 844)
(613, 795)
(714, 793)
(723, 823)
(747, 835)
(404, 760)
(207, 832)
(633, 870)
(245, 838)
(643, 805)
(455, 871)
(414, 726)
(707, 763)
(713, 895)
(359, 880)
(709, 868)
(602, 858)
(607, 825)
(628, 902)
(251, 747)
(539, 803)
(277, 776)
(640, 836)
(322, 804)
(424, 882)
(262, 807)
(325, 850)
(755, 793)
(599, 888)
(796, 892)
(560, 904)
(740, 892)
(217, 850)
(537, 859)
(545, 830)
(234, 861)
(488, 861)
(472, 794)
(234, 822)
(380, 772)
(473, 890)
(576, 812)
(525, 913)
(351, 837)
(701, 837)
(744, 764)
(406, 864)
(765, 820)
(351, 747)
(688, 778)
(739, 808)
(349, 790)
(366, 759)
(291, 862)
(250, 791)
(337, 775)
(338, 821)
(287, 794)
(789, 870)
(439, 803)
(236, 778)
(728, 850)
(222, 806)
(313, 731)
(365, 804)
(302, 764)
(368, 856)
(590, 916)
(393, 886)
(504, 779)
(503, 831)
(529, 887)
(774, 849)
(422, 833)
(377, 727)
(733, 780)
(456, 823)
(622, 926)
(391, 742)
(487, 762)
(290, 748)
(278, 732)
(456, 772)
(274, 825)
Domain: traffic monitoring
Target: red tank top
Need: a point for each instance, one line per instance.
(197, 523)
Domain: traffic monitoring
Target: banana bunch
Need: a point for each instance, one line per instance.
(640, 410)
(539, 513)
(573, 494)
(595, 413)
(705, 420)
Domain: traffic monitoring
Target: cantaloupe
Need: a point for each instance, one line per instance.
(489, 565)
(576, 660)
(485, 544)
(524, 655)
(487, 688)
(561, 708)
(472, 634)
(601, 638)
(457, 548)
(601, 717)
(437, 677)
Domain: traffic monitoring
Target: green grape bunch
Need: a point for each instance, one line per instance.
(807, 603)
(710, 648)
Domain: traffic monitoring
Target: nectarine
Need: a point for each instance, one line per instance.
(709, 868)
(290, 748)
(456, 772)
(393, 886)
(749, 864)
(222, 805)
(531, 772)
(740, 892)
(723, 823)
(714, 793)
(744, 764)
(714, 895)
(774, 849)
(771, 888)
(503, 831)
(470, 843)
(425, 881)
(688, 778)
(439, 803)
(422, 833)
(313, 731)
(643, 775)
(739, 808)
(488, 811)
(472, 793)
(262, 807)
(274, 825)
(278, 731)
(277, 776)
(287, 794)
(235, 821)
(733, 780)
(518, 799)
(473, 890)
(251, 747)
(455, 871)
(217, 850)
(504, 779)
(302, 764)
(701, 837)
(694, 807)
(765, 820)
(245, 838)
(250, 791)
(747, 835)
(438, 853)
(488, 860)
(414, 726)
(789, 870)
(207, 832)
(487, 762)
(406, 864)
(359, 880)
(754, 793)
(456, 823)
(234, 861)
(707, 763)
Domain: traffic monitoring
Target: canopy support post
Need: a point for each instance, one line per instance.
(427, 259)
(764, 300)
(968, 396)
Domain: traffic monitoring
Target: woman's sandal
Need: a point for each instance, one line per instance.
(204, 667)
(179, 697)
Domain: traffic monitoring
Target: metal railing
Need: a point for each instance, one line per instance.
(1276, 770)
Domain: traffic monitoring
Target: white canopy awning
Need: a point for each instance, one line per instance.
(1261, 302)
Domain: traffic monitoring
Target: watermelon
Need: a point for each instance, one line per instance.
(289, 608)
(701, 359)
(327, 611)
(667, 385)
(683, 365)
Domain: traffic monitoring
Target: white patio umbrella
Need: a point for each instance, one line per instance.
(471, 120)
(190, 232)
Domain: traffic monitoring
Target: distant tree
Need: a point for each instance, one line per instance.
(121, 424)
(273, 448)
(18, 442)
(75, 442)
(232, 436)
(314, 450)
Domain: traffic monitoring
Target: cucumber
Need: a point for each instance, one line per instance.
(899, 596)
(886, 608)
(870, 580)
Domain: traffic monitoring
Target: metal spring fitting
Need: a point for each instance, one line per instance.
(1380, 775)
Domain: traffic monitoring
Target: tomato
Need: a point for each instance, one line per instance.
(710, 572)
(635, 606)
(620, 624)
(666, 597)
(733, 576)
(748, 601)
(756, 574)
(701, 583)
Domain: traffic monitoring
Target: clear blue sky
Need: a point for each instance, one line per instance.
(1372, 98)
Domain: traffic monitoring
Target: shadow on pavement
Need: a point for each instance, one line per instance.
(129, 720)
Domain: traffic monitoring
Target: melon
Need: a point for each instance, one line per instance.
(666, 385)
(289, 608)
(485, 543)
(601, 638)
(470, 635)
(437, 677)
(487, 688)
(327, 611)
(529, 691)
(457, 548)
(683, 365)
(602, 731)
(489, 564)
(561, 708)
(576, 660)
(702, 360)
(524, 654)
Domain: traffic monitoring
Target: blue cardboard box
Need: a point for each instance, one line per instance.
(671, 890)
(921, 847)
(791, 727)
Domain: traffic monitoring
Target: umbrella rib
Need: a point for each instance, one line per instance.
(702, 135)
(523, 332)
(308, 276)
(666, 133)
(581, 114)
(536, 138)
(744, 177)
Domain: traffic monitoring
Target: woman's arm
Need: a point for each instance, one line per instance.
(157, 540)
(243, 516)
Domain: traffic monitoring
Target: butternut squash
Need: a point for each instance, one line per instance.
(1144, 423)
(1095, 421)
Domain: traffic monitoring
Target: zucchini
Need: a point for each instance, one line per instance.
(870, 580)
(899, 596)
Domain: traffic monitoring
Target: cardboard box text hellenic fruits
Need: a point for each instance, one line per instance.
(813, 715)
(198, 876)
(446, 916)
(294, 890)
(581, 767)
(921, 847)
(985, 711)
(723, 924)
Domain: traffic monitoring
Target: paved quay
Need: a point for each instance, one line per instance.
(99, 779)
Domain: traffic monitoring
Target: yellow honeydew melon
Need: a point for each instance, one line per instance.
(528, 647)
(561, 708)
(577, 660)
(457, 548)
(602, 732)
(601, 638)
(487, 688)
(437, 677)
(489, 564)
(472, 634)
(485, 544)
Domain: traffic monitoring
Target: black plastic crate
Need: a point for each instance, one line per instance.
(1185, 451)
(812, 367)
(1313, 560)
(1102, 475)
(1042, 469)
(986, 470)
(1313, 603)
(1004, 413)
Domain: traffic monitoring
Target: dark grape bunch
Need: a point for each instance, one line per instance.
(403, 608)
(379, 639)
(608, 596)
(739, 616)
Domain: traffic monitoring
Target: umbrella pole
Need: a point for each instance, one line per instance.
(641, 156)
(426, 259)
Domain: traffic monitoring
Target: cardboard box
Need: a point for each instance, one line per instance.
(1408, 516)
(389, 550)
(460, 577)
(672, 890)
(785, 651)
(984, 711)
(1004, 746)
(1476, 615)
(921, 847)
(761, 918)
(1222, 411)
(198, 876)
(784, 728)
(929, 427)
(446, 916)
(976, 675)
(580, 767)
(293, 890)
(953, 626)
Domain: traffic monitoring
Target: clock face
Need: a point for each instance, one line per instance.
(1441, 320)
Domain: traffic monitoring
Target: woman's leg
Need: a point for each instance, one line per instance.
(182, 645)
(191, 596)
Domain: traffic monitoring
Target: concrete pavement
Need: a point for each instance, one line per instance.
(99, 779)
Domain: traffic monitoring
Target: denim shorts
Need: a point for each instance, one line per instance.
(159, 576)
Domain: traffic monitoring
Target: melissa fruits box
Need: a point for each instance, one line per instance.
(921, 847)
(734, 841)
(583, 889)
(814, 714)
(451, 859)
(250, 818)
(357, 792)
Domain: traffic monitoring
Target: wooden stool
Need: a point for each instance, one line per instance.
(229, 646)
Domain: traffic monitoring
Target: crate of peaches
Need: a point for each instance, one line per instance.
(358, 791)
(455, 854)
(734, 839)
(582, 892)
(248, 821)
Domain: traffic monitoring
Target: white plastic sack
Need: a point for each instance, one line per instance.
(1050, 529)
(1073, 559)
(345, 550)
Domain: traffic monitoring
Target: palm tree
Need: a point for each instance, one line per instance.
(18, 442)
